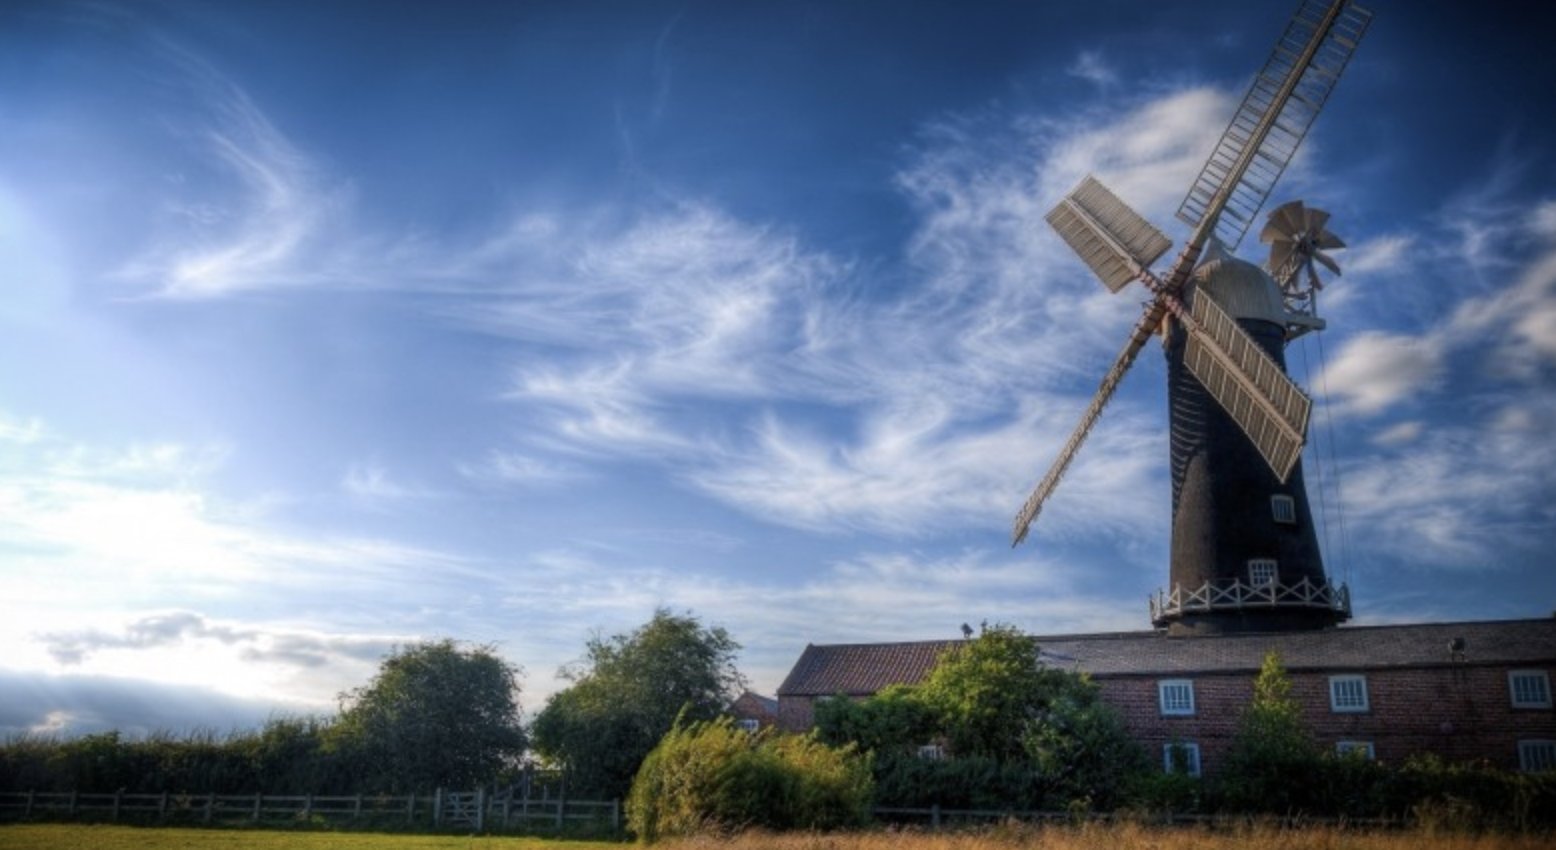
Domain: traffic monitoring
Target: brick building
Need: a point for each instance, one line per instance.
(1465, 691)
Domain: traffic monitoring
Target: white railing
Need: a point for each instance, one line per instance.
(1236, 595)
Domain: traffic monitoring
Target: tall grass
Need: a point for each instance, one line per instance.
(1125, 836)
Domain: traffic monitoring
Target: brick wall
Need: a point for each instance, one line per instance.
(1461, 712)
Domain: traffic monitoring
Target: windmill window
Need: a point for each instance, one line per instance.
(1530, 688)
(1348, 694)
(1536, 756)
(1284, 509)
(1181, 757)
(1346, 748)
(1176, 696)
(1262, 572)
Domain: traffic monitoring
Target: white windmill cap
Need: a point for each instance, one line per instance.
(1242, 289)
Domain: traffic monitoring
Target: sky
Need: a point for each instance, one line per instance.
(332, 327)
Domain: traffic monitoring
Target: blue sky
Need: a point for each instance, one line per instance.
(330, 327)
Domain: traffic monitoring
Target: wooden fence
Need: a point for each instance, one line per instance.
(475, 810)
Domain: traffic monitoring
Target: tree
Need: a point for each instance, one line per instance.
(1273, 763)
(1019, 733)
(436, 715)
(627, 694)
(713, 776)
(986, 692)
(895, 719)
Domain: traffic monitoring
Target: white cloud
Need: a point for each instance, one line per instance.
(1380, 255)
(1401, 434)
(1375, 370)
(1091, 67)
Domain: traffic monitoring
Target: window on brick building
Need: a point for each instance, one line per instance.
(749, 724)
(1284, 509)
(1364, 748)
(1536, 756)
(1262, 572)
(1530, 688)
(1348, 693)
(1181, 757)
(1176, 696)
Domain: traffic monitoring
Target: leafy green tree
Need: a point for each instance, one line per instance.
(1018, 733)
(436, 715)
(1079, 745)
(714, 776)
(896, 718)
(627, 694)
(1273, 764)
(986, 692)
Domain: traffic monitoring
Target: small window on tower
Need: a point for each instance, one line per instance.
(1284, 508)
(1262, 572)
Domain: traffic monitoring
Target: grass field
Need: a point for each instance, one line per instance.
(1096, 837)
(77, 837)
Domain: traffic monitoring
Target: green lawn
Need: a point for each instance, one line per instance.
(76, 837)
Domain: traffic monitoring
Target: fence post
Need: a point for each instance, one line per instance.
(27, 812)
(561, 806)
(162, 807)
(480, 809)
(307, 807)
(356, 808)
(74, 798)
(210, 805)
(507, 806)
(257, 798)
(934, 816)
(437, 807)
(410, 808)
(118, 799)
(616, 814)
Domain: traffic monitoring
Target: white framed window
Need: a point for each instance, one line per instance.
(1262, 571)
(750, 724)
(1176, 697)
(1346, 748)
(1529, 688)
(1283, 508)
(1181, 757)
(931, 752)
(1536, 756)
(1348, 694)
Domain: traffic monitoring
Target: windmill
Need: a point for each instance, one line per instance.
(1244, 553)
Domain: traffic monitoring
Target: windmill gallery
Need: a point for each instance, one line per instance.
(1247, 576)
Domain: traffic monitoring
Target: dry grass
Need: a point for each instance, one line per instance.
(1124, 837)
(1006, 837)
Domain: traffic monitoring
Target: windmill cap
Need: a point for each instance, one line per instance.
(1242, 289)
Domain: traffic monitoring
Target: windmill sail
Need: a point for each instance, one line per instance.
(1112, 239)
(1252, 388)
(1274, 116)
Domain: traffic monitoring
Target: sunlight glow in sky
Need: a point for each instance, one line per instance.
(330, 327)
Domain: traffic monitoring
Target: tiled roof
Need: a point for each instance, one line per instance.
(866, 668)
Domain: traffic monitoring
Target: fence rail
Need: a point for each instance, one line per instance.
(478, 810)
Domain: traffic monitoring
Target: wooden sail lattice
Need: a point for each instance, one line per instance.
(1253, 389)
(1274, 116)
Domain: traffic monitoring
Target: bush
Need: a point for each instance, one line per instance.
(714, 777)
